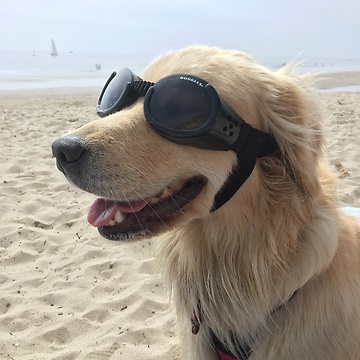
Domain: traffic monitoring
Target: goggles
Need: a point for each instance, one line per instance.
(184, 109)
(187, 110)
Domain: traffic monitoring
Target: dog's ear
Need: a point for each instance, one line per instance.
(293, 115)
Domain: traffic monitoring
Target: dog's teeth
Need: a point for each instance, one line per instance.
(111, 223)
(165, 194)
(119, 217)
(154, 200)
(177, 185)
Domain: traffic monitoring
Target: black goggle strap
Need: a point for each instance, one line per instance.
(238, 176)
(138, 88)
(252, 141)
(250, 145)
(141, 86)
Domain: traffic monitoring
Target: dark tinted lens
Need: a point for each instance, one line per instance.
(115, 89)
(180, 104)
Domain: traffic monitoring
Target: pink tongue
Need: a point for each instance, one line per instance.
(102, 211)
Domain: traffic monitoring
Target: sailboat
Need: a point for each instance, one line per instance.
(53, 49)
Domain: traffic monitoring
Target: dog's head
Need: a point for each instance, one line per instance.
(148, 184)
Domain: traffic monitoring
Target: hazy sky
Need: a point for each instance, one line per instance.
(326, 28)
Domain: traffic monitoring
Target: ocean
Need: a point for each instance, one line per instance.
(24, 70)
(34, 70)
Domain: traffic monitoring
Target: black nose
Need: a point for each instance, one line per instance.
(68, 150)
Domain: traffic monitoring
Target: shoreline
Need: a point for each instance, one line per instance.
(344, 80)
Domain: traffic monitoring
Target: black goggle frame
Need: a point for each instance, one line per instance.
(223, 130)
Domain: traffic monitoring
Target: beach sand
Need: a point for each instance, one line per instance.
(67, 293)
(338, 79)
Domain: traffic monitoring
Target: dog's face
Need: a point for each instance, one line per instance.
(147, 184)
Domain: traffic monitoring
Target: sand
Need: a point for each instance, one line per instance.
(67, 293)
(338, 79)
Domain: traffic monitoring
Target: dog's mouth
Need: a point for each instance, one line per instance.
(119, 220)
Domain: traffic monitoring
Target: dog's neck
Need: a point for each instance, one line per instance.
(221, 264)
(239, 265)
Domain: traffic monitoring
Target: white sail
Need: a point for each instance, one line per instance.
(53, 49)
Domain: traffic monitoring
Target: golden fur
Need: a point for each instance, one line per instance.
(282, 231)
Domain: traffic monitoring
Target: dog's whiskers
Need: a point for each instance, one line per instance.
(127, 199)
(173, 198)
(149, 205)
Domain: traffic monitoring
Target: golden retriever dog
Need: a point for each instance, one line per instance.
(272, 271)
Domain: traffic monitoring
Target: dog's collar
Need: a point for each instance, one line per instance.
(243, 348)
(222, 350)
(226, 357)
(223, 356)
